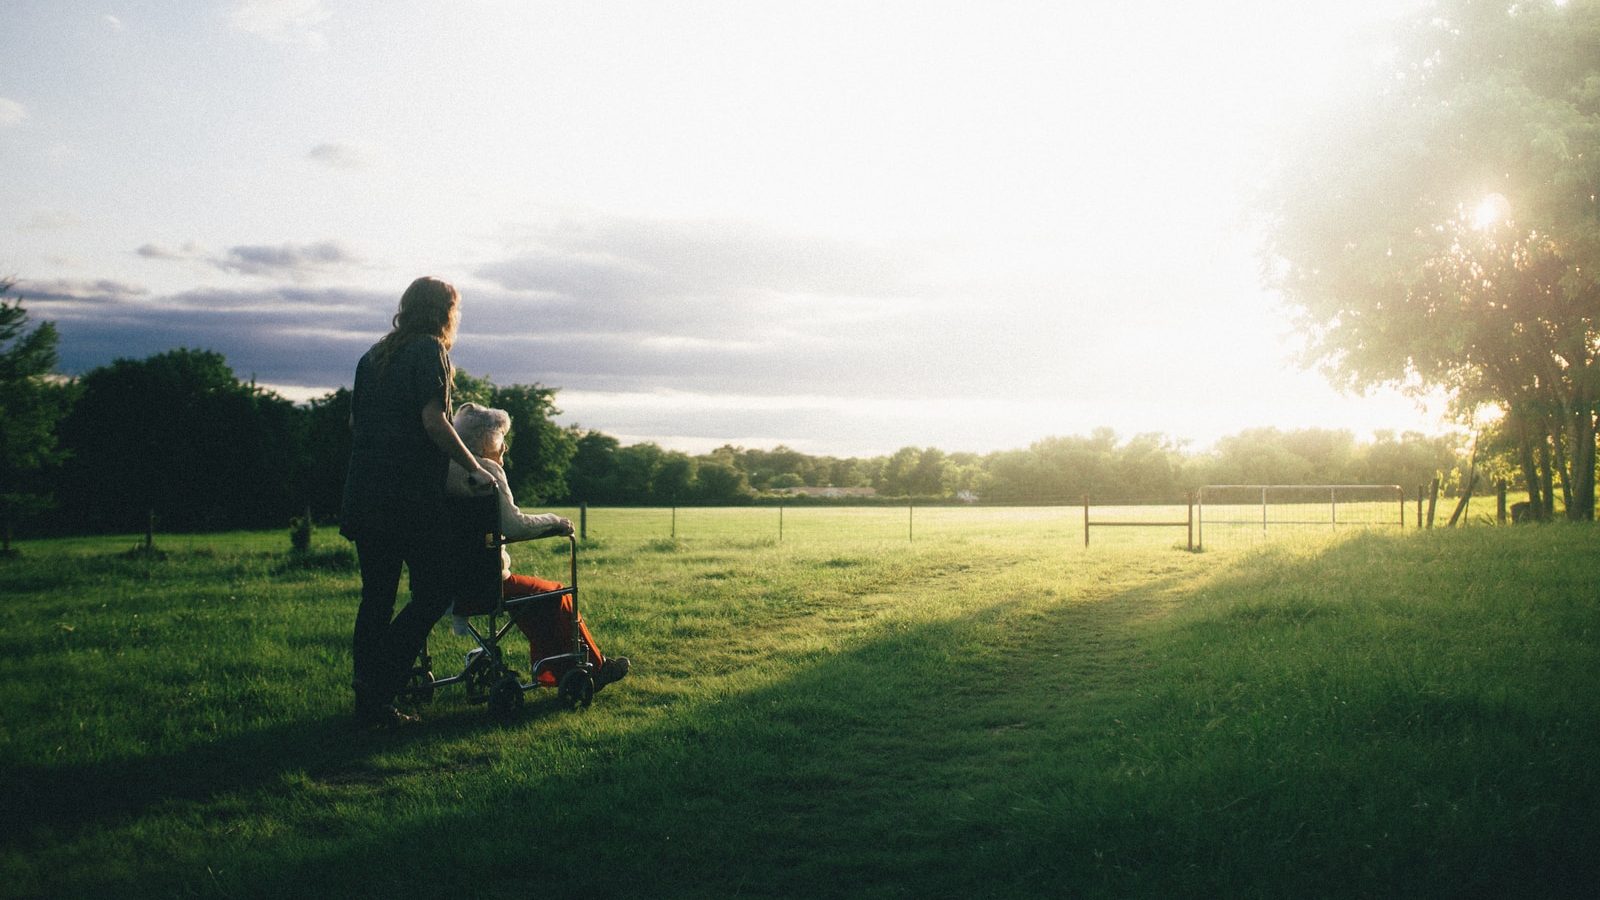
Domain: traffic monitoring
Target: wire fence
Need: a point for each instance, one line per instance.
(1232, 511)
(1220, 514)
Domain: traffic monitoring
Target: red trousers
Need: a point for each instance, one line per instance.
(548, 624)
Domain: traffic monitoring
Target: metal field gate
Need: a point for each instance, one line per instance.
(1257, 509)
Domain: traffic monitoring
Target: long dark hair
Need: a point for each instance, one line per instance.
(429, 308)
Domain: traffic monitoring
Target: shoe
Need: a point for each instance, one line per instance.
(614, 669)
(383, 715)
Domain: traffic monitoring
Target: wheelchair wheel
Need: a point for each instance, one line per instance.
(479, 676)
(576, 689)
(418, 689)
(506, 696)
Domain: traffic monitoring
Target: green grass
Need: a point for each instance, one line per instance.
(983, 709)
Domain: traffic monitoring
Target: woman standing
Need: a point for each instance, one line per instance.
(402, 445)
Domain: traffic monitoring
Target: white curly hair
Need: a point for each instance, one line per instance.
(481, 427)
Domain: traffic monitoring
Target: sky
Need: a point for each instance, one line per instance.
(842, 227)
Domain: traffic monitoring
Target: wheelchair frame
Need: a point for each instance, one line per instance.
(485, 674)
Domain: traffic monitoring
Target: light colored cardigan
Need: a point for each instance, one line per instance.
(515, 524)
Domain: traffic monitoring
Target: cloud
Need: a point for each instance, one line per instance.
(341, 156)
(156, 251)
(282, 21)
(284, 260)
(616, 258)
(11, 112)
(287, 336)
(112, 22)
(62, 290)
(726, 282)
(706, 306)
(298, 262)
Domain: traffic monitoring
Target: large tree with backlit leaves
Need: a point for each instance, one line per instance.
(1440, 227)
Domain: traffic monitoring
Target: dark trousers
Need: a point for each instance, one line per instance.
(385, 645)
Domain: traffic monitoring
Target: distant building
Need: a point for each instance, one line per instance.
(831, 493)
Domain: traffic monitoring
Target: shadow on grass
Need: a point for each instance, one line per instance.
(937, 759)
(46, 804)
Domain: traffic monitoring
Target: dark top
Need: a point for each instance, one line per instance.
(395, 484)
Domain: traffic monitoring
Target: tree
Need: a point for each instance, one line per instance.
(1411, 460)
(932, 475)
(1445, 231)
(718, 480)
(468, 388)
(637, 465)
(675, 478)
(178, 435)
(326, 454)
(538, 450)
(894, 479)
(30, 406)
(592, 474)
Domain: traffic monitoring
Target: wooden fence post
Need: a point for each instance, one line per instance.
(1189, 496)
(1086, 520)
(583, 521)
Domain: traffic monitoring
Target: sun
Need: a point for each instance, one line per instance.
(1491, 211)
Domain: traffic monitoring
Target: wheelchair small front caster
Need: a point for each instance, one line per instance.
(576, 689)
(506, 696)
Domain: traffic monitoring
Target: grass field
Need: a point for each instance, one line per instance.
(929, 704)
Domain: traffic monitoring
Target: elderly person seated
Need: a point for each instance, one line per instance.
(548, 623)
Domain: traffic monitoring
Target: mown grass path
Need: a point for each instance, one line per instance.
(976, 714)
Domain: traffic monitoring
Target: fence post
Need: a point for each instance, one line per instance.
(583, 521)
(1333, 508)
(1419, 506)
(1433, 500)
(1086, 520)
(1189, 496)
(1500, 502)
(674, 523)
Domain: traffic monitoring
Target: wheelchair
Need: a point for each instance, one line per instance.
(474, 540)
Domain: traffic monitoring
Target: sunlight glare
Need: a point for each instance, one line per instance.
(1491, 211)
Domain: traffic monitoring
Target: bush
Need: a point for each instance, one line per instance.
(300, 533)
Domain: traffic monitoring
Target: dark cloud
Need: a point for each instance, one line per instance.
(614, 307)
(286, 336)
(156, 251)
(297, 262)
(77, 292)
(284, 260)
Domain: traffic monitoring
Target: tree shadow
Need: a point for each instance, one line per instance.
(1019, 745)
(51, 803)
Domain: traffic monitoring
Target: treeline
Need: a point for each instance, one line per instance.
(180, 436)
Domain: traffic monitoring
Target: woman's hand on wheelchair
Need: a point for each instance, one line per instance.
(480, 482)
